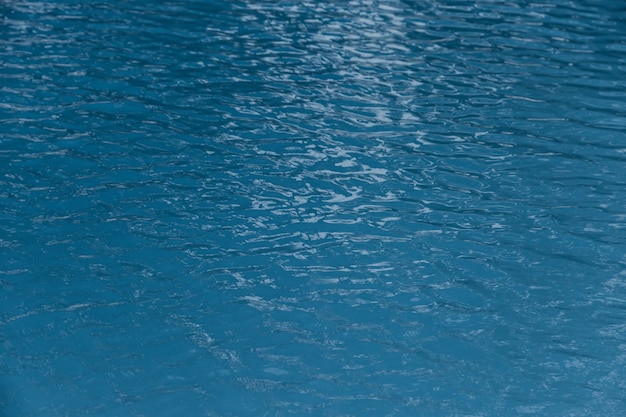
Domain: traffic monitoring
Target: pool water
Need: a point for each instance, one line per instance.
(312, 208)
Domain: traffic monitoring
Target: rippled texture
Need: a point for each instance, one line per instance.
(350, 208)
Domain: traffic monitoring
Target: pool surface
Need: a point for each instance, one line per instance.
(312, 208)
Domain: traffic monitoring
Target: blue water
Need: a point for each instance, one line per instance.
(312, 208)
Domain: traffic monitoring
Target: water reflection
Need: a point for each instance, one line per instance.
(392, 206)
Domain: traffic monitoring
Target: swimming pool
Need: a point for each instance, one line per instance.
(352, 208)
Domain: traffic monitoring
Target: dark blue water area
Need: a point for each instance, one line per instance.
(312, 208)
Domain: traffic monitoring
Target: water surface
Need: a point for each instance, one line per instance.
(272, 208)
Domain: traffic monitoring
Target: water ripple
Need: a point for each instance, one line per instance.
(387, 208)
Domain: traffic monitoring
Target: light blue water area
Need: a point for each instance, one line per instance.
(312, 208)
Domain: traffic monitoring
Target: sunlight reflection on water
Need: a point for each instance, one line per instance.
(272, 208)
